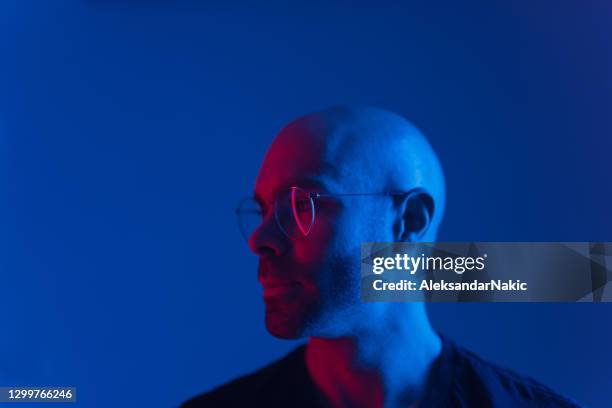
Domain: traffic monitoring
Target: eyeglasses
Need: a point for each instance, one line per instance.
(294, 211)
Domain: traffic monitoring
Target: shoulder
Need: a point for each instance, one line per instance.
(255, 388)
(484, 380)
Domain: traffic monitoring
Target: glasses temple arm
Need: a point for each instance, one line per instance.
(384, 193)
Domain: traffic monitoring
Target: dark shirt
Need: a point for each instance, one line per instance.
(459, 378)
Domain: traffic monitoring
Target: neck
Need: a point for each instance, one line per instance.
(385, 361)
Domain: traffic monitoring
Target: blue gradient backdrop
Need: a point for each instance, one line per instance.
(129, 130)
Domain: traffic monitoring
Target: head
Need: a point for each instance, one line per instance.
(312, 284)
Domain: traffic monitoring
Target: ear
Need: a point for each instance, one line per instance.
(414, 216)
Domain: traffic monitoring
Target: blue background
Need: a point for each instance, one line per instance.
(130, 129)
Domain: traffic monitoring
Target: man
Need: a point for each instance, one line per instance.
(330, 181)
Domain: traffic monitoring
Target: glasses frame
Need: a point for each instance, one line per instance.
(314, 197)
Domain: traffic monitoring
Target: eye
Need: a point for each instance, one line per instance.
(302, 205)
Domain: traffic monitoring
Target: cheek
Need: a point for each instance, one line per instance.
(333, 246)
(340, 231)
(331, 234)
(331, 253)
(316, 247)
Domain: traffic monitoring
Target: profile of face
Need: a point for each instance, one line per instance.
(311, 283)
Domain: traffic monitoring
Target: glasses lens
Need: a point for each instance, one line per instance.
(294, 211)
(249, 217)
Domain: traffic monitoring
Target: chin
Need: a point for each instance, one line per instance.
(289, 317)
(290, 322)
(283, 327)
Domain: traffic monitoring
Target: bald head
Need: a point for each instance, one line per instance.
(364, 149)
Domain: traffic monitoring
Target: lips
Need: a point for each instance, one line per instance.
(281, 288)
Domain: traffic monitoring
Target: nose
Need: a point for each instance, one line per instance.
(268, 240)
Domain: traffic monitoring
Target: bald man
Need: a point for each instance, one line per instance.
(331, 181)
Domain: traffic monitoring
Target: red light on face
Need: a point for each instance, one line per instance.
(303, 210)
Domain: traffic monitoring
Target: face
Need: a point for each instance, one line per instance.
(311, 285)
